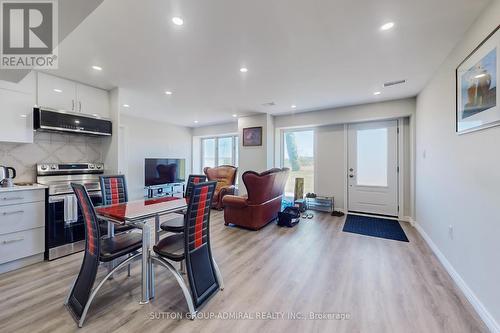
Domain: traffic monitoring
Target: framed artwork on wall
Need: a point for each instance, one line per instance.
(252, 136)
(476, 86)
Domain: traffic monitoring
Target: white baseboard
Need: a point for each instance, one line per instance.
(487, 318)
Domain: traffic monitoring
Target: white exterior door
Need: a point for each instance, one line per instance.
(373, 168)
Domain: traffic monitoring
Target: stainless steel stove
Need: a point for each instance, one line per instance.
(65, 232)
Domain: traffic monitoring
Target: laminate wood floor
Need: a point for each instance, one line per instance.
(381, 285)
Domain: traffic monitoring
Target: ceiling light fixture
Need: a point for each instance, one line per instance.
(293, 106)
(177, 20)
(24, 116)
(97, 68)
(168, 92)
(126, 105)
(235, 115)
(243, 69)
(196, 121)
(58, 90)
(377, 93)
(387, 26)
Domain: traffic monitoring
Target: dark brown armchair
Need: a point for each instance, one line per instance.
(225, 175)
(262, 203)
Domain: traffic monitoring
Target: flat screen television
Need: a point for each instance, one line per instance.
(160, 171)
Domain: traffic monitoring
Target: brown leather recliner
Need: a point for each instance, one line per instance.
(225, 175)
(262, 203)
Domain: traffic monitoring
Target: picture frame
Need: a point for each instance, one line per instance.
(252, 136)
(477, 96)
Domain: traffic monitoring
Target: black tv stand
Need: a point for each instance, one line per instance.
(165, 190)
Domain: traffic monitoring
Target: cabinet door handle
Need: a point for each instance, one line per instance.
(9, 241)
(72, 105)
(13, 212)
(80, 106)
(12, 198)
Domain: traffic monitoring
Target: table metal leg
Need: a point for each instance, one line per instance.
(151, 268)
(111, 233)
(146, 239)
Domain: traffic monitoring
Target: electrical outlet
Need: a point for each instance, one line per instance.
(450, 231)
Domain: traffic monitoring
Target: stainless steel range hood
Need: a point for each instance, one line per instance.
(70, 122)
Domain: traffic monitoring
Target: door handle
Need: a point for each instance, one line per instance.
(80, 106)
(72, 105)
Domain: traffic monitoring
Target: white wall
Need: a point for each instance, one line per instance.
(329, 163)
(258, 158)
(215, 130)
(111, 149)
(458, 181)
(351, 114)
(146, 138)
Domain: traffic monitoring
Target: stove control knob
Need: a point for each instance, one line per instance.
(99, 166)
(53, 167)
(91, 166)
(44, 167)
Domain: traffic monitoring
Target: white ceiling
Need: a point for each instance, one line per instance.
(315, 54)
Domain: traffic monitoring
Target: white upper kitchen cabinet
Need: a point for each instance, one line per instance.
(62, 94)
(93, 101)
(56, 93)
(16, 105)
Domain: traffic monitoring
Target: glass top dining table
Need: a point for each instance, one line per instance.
(144, 214)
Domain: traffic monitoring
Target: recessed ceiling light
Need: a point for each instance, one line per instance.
(97, 68)
(235, 115)
(387, 26)
(168, 92)
(58, 90)
(196, 121)
(243, 69)
(377, 93)
(293, 106)
(177, 20)
(126, 105)
(24, 116)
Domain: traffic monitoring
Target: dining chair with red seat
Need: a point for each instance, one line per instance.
(177, 224)
(193, 247)
(97, 250)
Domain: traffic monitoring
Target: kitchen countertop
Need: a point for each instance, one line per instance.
(22, 188)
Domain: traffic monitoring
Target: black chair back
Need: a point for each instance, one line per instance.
(114, 189)
(84, 282)
(192, 180)
(199, 263)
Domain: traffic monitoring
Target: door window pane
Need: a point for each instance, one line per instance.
(298, 153)
(208, 153)
(225, 151)
(372, 157)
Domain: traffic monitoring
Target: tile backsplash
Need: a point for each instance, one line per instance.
(49, 147)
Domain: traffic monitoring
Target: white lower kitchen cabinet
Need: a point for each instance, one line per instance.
(22, 226)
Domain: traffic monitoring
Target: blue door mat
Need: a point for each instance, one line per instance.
(375, 227)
